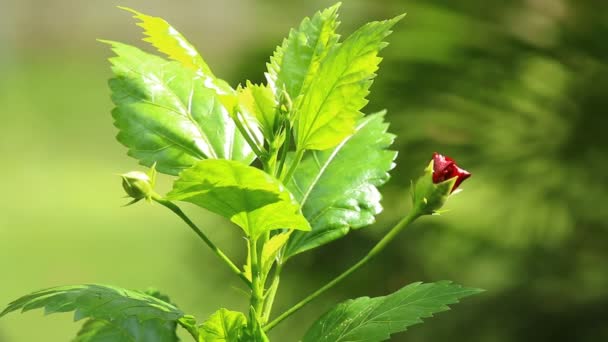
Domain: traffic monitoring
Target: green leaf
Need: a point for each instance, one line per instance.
(97, 301)
(375, 319)
(258, 102)
(131, 328)
(127, 330)
(223, 325)
(169, 41)
(166, 115)
(330, 107)
(247, 196)
(298, 58)
(271, 250)
(334, 203)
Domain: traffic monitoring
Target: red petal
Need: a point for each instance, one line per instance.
(445, 168)
(462, 175)
(441, 166)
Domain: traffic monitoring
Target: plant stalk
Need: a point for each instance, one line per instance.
(249, 139)
(285, 148)
(272, 291)
(294, 165)
(390, 236)
(257, 283)
(174, 208)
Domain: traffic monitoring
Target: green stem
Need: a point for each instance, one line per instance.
(192, 329)
(372, 253)
(257, 284)
(247, 135)
(272, 291)
(286, 144)
(174, 208)
(294, 165)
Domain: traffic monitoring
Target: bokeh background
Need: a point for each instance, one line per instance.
(516, 90)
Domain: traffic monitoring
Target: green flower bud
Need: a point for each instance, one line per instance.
(430, 192)
(139, 185)
(285, 103)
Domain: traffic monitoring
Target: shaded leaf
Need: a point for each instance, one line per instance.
(247, 196)
(330, 107)
(166, 115)
(131, 328)
(127, 330)
(97, 301)
(223, 325)
(375, 319)
(299, 56)
(337, 187)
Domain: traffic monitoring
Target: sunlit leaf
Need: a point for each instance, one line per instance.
(337, 187)
(169, 41)
(330, 107)
(223, 326)
(375, 319)
(258, 102)
(166, 115)
(249, 197)
(271, 250)
(298, 58)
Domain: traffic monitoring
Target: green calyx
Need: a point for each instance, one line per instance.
(428, 197)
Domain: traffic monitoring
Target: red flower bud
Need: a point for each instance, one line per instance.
(445, 168)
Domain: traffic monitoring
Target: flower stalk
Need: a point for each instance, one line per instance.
(175, 209)
(390, 236)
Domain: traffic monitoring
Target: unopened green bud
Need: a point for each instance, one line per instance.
(139, 185)
(285, 103)
(136, 184)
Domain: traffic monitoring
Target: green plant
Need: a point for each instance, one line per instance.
(306, 132)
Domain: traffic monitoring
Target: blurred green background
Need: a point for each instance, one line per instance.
(515, 90)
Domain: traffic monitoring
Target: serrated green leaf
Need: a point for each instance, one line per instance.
(127, 330)
(97, 301)
(375, 319)
(223, 326)
(169, 41)
(299, 56)
(247, 196)
(257, 101)
(166, 115)
(330, 107)
(131, 328)
(337, 187)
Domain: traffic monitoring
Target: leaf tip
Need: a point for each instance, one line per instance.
(475, 290)
(128, 9)
(335, 7)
